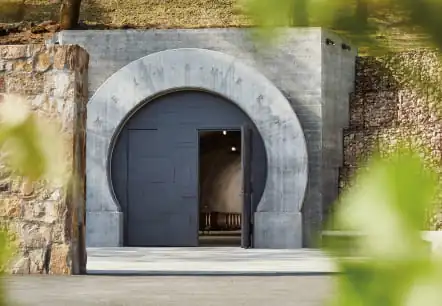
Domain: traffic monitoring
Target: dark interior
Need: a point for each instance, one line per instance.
(220, 184)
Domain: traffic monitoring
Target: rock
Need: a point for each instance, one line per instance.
(13, 52)
(23, 83)
(2, 81)
(60, 259)
(22, 65)
(43, 61)
(22, 266)
(11, 207)
(27, 188)
(37, 260)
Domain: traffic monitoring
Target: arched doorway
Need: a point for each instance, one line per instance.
(277, 222)
(177, 162)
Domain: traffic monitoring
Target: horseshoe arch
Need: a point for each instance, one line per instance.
(278, 219)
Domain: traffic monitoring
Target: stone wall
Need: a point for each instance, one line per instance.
(47, 220)
(396, 97)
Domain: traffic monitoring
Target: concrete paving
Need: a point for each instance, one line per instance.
(207, 261)
(169, 290)
(184, 277)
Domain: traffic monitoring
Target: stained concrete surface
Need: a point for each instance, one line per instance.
(169, 290)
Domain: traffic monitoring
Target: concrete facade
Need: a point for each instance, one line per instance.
(314, 71)
(143, 80)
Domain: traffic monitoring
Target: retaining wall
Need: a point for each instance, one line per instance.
(47, 220)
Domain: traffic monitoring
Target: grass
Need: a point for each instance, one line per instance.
(387, 33)
(144, 13)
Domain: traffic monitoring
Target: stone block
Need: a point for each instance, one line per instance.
(14, 52)
(60, 232)
(60, 261)
(42, 61)
(63, 85)
(2, 82)
(21, 265)
(23, 65)
(39, 102)
(34, 235)
(72, 58)
(42, 211)
(37, 260)
(33, 49)
(25, 84)
(11, 207)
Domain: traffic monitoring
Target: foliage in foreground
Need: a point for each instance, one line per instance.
(377, 25)
(388, 263)
(30, 147)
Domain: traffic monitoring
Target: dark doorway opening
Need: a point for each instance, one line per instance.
(220, 187)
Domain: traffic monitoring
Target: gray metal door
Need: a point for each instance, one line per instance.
(246, 220)
(154, 166)
(162, 207)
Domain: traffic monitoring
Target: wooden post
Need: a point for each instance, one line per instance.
(69, 14)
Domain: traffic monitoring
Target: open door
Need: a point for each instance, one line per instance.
(246, 220)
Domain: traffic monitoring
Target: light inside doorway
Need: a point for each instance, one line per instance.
(220, 185)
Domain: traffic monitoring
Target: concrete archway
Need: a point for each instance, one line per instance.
(278, 221)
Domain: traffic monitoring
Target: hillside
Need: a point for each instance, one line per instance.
(154, 13)
(386, 34)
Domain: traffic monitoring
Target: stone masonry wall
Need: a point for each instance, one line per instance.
(397, 96)
(48, 221)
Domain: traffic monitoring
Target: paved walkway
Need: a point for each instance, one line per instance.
(207, 261)
(169, 290)
(184, 277)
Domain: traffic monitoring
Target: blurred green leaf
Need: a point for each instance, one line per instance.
(22, 150)
(33, 148)
(388, 263)
(383, 257)
(30, 146)
(375, 26)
